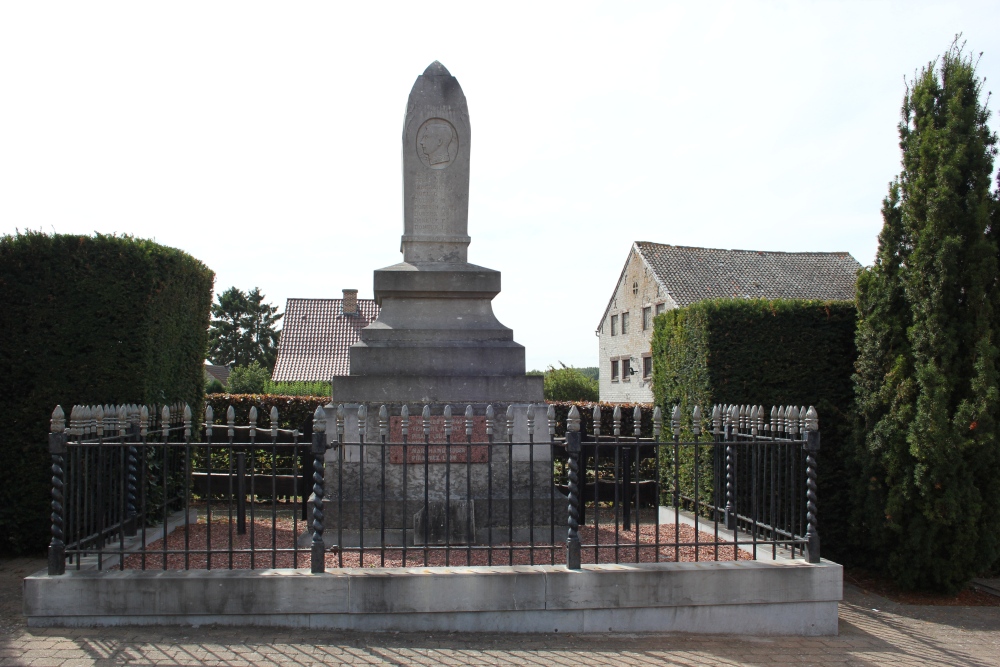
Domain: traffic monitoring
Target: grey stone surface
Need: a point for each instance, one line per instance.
(763, 598)
(436, 338)
(453, 522)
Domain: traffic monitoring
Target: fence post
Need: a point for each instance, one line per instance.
(318, 452)
(812, 450)
(57, 447)
(573, 449)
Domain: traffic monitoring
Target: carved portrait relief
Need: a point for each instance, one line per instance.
(437, 143)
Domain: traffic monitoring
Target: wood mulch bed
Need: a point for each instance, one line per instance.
(267, 553)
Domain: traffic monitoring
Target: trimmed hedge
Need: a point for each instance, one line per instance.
(769, 352)
(101, 319)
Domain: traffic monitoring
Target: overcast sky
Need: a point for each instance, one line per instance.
(264, 138)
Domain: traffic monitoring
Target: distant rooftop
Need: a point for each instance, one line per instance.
(693, 274)
(317, 336)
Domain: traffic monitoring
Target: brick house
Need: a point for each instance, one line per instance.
(659, 277)
(317, 336)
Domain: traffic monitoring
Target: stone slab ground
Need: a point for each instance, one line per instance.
(873, 631)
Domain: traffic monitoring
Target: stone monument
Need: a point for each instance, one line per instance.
(437, 346)
(436, 339)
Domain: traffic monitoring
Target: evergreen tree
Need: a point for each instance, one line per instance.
(243, 330)
(927, 367)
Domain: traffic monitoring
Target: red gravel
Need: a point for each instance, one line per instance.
(195, 537)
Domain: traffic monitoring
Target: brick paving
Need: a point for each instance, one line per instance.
(873, 631)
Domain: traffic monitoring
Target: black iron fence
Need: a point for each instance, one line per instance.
(135, 488)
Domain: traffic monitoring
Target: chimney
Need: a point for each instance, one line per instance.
(350, 302)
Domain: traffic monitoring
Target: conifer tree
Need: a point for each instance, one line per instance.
(927, 367)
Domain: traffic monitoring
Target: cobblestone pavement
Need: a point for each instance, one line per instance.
(873, 631)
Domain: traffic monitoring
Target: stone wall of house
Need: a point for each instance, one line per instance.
(637, 289)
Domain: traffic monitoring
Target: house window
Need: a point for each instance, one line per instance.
(614, 371)
(624, 323)
(635, 288)
(626, 370)
(660, 307)
(614, 325)
(647, 367)
(647, 318)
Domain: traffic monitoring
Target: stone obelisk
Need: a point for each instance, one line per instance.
(436, 339)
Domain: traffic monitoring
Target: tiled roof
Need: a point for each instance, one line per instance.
(693, 274)
(316, 338)
(220, 373)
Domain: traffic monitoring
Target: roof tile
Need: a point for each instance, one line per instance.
(692, 274)
(316, 338)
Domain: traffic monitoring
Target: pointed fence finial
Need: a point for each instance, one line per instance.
(636, 421)
(274, 421)
(675, 421)
(490, 418)
(187, 421)
(383, 421)
(319, 420)
(792, 416)
(209, 418)
(772, 426)
(812, 419)
(695, 420)
(657, 422)
(753, 420)
(122, 419)
(468, 421)
(716, 419)
(573, 420)
(531, 419)
(143, 421)
(404, 419)
(425, 414)
(550, 417)
(99, 420)
(341, 416)
(57, 424)
(231, 420)
(596, 415)
(616, 420)
(510, 422)
(447, 421)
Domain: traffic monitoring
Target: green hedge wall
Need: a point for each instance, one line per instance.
(775, 352)
(88, 319)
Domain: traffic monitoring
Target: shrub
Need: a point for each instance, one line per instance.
(249, 379)
(297, 388)
(569, 384)
(776, 352)
(102, 319)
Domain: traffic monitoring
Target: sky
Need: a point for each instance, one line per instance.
(264, 138)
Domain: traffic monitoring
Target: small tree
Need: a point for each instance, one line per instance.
(250, 379)
(568, 384)
(927, 370)
(243, 329)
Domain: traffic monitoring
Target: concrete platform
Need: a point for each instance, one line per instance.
(747, 597)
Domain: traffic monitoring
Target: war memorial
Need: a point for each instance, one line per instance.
(433, 492)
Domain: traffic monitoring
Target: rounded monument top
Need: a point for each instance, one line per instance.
(436, 69)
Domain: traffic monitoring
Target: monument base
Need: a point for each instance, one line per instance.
(458, 390)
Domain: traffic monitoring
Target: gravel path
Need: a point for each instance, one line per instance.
(259, 550)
